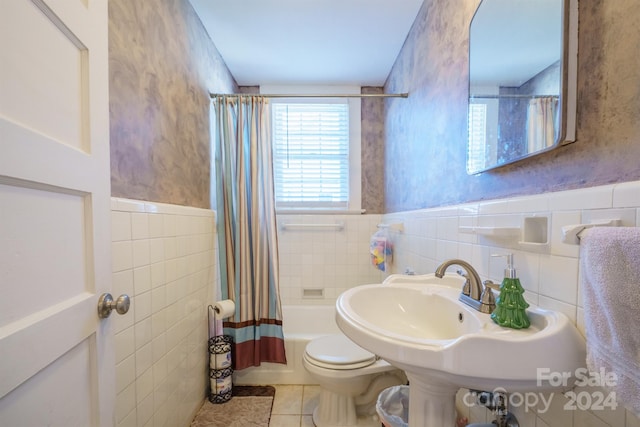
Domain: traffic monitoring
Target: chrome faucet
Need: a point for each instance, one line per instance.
(473, 293)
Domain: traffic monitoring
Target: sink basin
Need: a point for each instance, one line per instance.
(417, 324)
(411, 314)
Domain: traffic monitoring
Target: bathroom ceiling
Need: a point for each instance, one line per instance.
(312, 42)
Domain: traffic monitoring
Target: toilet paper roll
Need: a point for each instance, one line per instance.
(220, 361)
(221, 385)
(224, 309)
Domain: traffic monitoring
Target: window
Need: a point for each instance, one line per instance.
(311, 143)
(476, 155)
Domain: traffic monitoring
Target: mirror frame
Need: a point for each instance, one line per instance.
(567, 100)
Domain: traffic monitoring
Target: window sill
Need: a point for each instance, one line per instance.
(320, 211)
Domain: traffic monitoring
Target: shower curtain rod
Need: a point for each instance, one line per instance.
(506, 95)
(317, 95)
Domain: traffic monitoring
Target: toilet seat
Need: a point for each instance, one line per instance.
(337, 352)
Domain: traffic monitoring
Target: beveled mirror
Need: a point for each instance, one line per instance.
(522, 80)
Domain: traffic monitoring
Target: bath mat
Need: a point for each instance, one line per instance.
(254, 390)
(249, 407)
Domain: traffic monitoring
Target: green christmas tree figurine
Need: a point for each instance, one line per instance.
(511, 307)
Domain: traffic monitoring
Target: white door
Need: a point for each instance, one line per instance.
(56, 355)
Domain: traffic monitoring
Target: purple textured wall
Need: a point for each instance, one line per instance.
(162, 66)
(372, 171)
(426, 140)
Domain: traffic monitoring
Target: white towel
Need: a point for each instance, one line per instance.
(610, 265)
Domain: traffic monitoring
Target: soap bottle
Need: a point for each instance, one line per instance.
(511, 307)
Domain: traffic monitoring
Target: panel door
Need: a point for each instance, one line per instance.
(56, 355)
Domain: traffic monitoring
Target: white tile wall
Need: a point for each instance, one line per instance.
(325, 259)
(549, 273)
(164, 258)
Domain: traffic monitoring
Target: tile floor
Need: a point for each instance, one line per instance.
(293, 405)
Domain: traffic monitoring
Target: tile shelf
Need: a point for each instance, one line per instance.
(534, 231)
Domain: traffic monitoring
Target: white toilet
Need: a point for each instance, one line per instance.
(350, 380)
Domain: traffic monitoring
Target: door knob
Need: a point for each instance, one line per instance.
(106, 304)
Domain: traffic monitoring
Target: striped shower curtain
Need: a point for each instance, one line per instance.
(247, 232)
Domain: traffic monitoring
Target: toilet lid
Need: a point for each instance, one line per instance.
(338, 352)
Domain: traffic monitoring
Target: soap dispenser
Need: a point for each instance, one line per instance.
(511, 307)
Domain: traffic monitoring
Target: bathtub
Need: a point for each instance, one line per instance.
(301, 323)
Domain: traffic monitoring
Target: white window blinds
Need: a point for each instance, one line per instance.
(477, 149)
(311, 155)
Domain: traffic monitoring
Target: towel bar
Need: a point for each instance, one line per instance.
(292, 226)
(571, 233)
(397, 227)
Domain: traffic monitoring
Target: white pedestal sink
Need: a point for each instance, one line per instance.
(417, 324)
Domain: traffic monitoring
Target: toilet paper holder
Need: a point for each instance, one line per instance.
(220, 361)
